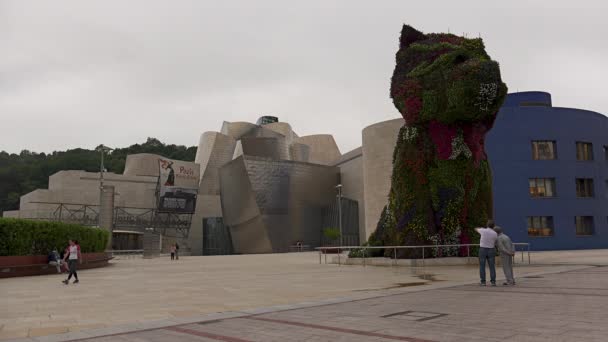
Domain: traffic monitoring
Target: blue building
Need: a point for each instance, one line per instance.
(550, 173)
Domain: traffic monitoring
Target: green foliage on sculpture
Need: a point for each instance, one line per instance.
(448, 90)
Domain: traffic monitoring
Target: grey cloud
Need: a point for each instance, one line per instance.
(77, 74)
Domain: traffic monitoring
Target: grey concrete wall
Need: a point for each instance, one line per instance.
(379, 142)
(11, 214)
(82, 188)
(351, 178)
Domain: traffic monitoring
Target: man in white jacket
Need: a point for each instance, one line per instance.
(487, 252)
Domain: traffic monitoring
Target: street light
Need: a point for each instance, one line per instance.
(339, 188)
(103, 149)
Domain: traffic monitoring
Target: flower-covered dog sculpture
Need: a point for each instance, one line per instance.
(448, 90)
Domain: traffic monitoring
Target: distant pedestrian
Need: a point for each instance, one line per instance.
(74, 257)
(176, 251)
(487, 252)
(173, 249)
(507, 251)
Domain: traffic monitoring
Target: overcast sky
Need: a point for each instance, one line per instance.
(82, 73)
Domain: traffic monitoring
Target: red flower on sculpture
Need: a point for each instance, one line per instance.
(474, 137)
(442, 136)
(413, 105)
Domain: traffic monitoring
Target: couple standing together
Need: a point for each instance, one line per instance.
(492, 238)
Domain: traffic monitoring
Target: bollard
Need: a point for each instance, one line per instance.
(395, 254)
(422, 256)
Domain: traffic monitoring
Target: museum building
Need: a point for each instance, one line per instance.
(261, 188)
(550, 173)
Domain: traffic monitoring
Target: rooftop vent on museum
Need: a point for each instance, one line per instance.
(266, 119)
(534, 104)
(528, 99)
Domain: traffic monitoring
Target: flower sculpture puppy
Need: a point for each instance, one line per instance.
(448, 90)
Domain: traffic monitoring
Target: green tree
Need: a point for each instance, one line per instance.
(27, 171)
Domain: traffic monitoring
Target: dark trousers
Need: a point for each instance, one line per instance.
(172, 256)
(488, 254)
(72, 265)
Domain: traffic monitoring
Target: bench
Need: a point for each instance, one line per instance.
(20, 266)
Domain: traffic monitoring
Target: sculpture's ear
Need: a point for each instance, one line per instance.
(409, 35)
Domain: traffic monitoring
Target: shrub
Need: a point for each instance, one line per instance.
(26, 237)
(331, 234)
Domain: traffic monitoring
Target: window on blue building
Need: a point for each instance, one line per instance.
(542, 187)
(540, 225)
(606, 152)
(584, 187)
(584, 225)
(584, 151)
(544, 150)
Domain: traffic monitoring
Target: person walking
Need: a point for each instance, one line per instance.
(487, 252)
(73, 256)
(176, 251)
(507, 251)
(173, 252)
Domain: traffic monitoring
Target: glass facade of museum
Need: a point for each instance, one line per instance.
(550, 173)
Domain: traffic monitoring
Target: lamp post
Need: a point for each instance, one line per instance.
(339, 188)
(102, 149)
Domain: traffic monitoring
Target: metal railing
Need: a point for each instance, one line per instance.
(323, 250)
(300, 248)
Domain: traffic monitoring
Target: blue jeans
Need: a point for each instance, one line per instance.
(489, 254)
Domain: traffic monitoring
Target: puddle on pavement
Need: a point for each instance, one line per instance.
(428, 277)
(396, 286)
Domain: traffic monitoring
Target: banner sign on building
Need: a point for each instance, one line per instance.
(178, 186)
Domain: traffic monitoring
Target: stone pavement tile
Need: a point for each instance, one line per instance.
(163, 335)
(530, 338)
(255, 330)
(60, 338)
(47, 331)
(81, 327)
(13, 333)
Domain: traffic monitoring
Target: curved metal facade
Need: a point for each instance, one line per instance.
(271, 204)
(527, 117)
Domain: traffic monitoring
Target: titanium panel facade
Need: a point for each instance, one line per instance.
(269, 204)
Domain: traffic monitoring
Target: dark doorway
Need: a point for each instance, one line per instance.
(216, 237)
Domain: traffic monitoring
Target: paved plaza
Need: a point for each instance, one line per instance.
(562, 296)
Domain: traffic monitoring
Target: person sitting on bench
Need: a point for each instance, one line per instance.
(55, 260)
